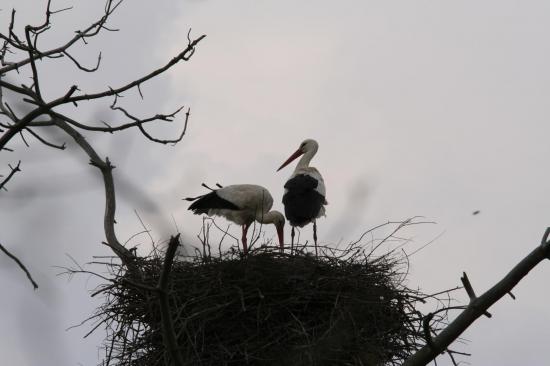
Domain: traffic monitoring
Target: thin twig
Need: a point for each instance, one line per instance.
(21, 265)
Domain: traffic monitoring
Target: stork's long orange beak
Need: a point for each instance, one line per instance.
(291, 158)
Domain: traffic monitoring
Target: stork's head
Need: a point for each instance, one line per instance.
(308, 146)
(279, 222)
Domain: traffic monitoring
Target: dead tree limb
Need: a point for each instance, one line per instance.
(110, 199)
(21, 265)
(169, 334)
(478, 306)
(44, 114)
(33, 94)
(14, 169)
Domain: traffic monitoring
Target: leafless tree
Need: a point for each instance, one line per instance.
(21, 63)
(21, 54)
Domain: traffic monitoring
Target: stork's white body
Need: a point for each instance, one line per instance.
(241, 204)
(254, 203)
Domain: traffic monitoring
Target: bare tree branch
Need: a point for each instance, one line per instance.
(75, 61)
(159, 117)
(183, 55)
(90, 31)
(20, 264)
(169, 333)
(470, 291)
(41, 112)
(22, 123)
(68, 98)
(110, 201)
(478, 306)
(33, 62)
(46, 21)
(14, 169)
(108, 128)
(44, 141)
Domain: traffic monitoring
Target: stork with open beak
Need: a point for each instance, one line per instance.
(242, 204)
(304, 196)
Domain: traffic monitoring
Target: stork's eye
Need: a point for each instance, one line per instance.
(302, 145)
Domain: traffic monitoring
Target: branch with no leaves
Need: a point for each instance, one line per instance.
(479, 306)
(21, 265)
(159, 117)
(44, 141)
(106, 169)
(14, 169)
(14, 41)
(169, 333)
(43, 106)
(470, 291)
(32, 94)
(184, 55)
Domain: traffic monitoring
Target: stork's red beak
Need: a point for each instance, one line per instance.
(291, 158)
(281, 234)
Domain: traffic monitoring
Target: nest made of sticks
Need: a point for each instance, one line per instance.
(341, 308)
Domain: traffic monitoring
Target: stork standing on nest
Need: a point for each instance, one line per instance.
(304, 196)
(242, 204)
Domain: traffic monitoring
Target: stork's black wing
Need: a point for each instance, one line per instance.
(211, 201)
(302, 202)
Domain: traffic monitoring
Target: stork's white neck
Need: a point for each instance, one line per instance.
(306, 159)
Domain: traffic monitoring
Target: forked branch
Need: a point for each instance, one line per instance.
(41, 104)
(14, 169)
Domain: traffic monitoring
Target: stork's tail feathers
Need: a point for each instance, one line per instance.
(196, 210)
(203, 204)
(212, 189)
(190, 199)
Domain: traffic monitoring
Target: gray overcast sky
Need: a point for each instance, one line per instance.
(420, 108)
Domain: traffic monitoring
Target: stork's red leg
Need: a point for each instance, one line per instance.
(315, 236)
(292, 242)
(243, 239)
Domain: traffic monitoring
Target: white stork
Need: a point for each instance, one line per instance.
(241, 204)
(304, 197)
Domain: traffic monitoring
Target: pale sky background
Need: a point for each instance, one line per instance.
(420, 108)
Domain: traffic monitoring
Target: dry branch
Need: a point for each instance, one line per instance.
(478, 306)
(110, 199)
(21, 265)
(169, 334)
(32, 94)
(90, 31)
(14, 169)
(43, 106)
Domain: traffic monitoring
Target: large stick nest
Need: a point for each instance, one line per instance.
(341, 308)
